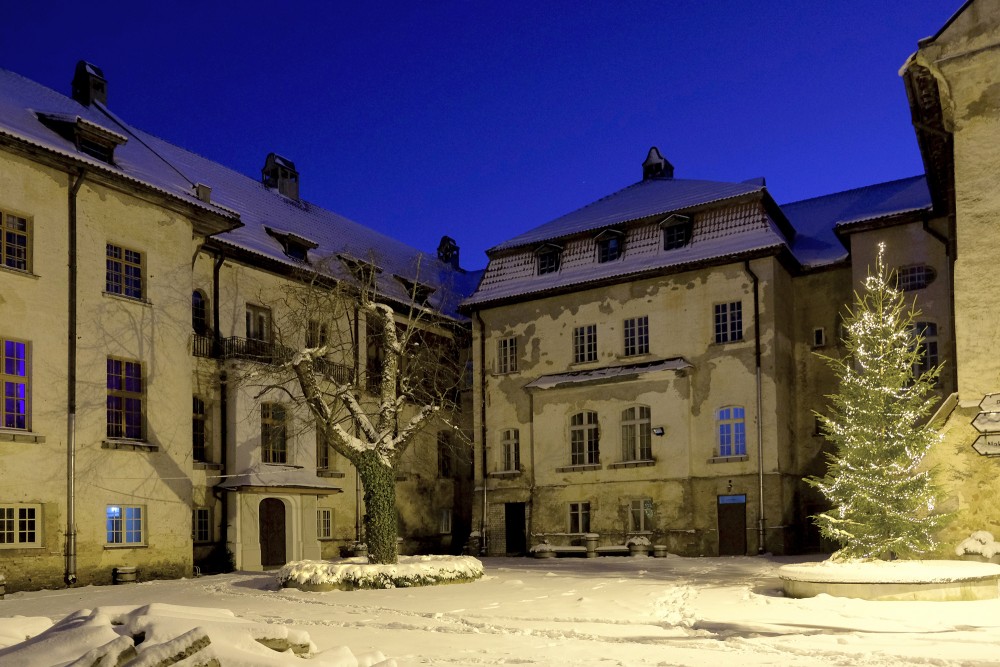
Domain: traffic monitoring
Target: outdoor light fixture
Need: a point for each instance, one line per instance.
(657, 430)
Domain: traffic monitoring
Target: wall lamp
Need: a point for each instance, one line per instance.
(658, 430)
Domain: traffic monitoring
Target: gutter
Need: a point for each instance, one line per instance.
(482, 424)
(760, 415)
(70, 574)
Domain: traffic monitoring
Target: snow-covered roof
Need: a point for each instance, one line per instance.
(284, 476)
(608, 374)
(152, 162)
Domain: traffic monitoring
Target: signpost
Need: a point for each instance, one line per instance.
(988, 445)
(987, 422)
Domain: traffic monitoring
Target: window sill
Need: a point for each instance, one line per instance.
(205, 465)
(130, 445)
(326, 539)
(126, 546)
(19, 546)
(580, 468)
(633, 464)
(19, 272)
(504, 474)
(321, 472)
(21, 436)
(129, 299)
(728, 459)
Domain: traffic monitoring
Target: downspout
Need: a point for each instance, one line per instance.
(482, 422)
(70, 575)
(760, 411)
(223, 398)
(953, 348)
(357, 374)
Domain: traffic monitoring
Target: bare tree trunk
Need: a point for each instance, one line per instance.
(381, 528)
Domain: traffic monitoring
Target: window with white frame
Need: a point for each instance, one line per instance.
(20, 526)
(928, 348)
(640, 513)
(273, 433)
(507, 355)
(125, 524)
(15, 245)
(579, 517)
(731, 422)
(510, 446)
(201, 525)
(636, 331)
(123, 272)
(126, 394)
(636, 434)
(585, 343)
(728, 322)
(15, 381)
(584, 439)
(324, 523)
(919, 276)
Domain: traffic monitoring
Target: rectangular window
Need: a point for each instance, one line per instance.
(199, 431)
(201, 524)
(610, 248)
(258, 323)
(579, 517)
(636, 336)
(928, 347)
(124, 272)
(636, 434)
(640, 515)
(273, 434)
(124, 524)
(585, 344)
(511, 447)
(316, 334)
(548, 261)
(324, 523)
(15, 246)
(910, 278)
(322, 450)
(584, 439)
(20, 526)
(445, 452)
(677, 233)
(444, 521)
(732, 432)
(729, 322)
(125, 398)
(16, 383)
(507, 355)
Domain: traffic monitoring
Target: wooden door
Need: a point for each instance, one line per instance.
(272, 533)
(733, 525)
(514, 518)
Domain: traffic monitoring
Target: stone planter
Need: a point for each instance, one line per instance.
(544, 554)
(590, 539)
(124, 575)
(660, 551)
(360, 550)
(638, 550)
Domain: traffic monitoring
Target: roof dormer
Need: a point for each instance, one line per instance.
(294, 246)
(364, 272)
(418, 292)
(280, 174)
(610, 245)
(89, 138)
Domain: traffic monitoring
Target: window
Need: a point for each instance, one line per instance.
(732, 432)
(199, 313)
(676, 232)
(584, 440)
(324, 523)
(640, 515)
(585, 343)
(610, 246)
(124, 272)
(15, 246)
(16, 383)
(549, 257)
(322, 449)
(445, 452)
(636, 434)
(728, 322)
(579, 517)
(273, 435)
(316, 334)
(928, 347)
(201, 524)
(124, 524)
(819, 337)
(258, 323)
(20, 526)
(510, 446)
(374, 357)
(199, 432)
(444, 521)
(636, 336)
(909, 278)
(125, 396)
(507, 355)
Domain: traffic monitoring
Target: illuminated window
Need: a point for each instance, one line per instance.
(732, 431)
(16, 385)
(124, 524)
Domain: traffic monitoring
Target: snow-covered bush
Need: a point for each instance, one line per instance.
(980, 542)
(638, 541)
(542, 546)
(354, 573)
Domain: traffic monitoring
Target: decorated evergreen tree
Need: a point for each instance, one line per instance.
(882, 502)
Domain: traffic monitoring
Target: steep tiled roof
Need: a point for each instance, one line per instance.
(151, 162)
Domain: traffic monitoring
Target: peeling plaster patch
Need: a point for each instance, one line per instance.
(987, 104)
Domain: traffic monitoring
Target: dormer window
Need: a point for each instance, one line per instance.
(418, 292)
(280, 174)
(363, 272)
(676, 231)
(610, 245)
(89, 138)
(294, 246)
(549, 256)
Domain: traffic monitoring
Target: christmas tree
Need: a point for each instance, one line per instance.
(882, 503)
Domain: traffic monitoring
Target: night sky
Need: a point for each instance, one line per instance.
(481, 120)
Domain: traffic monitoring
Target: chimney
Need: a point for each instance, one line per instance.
(656, 166)
(89, 84)
(203, 192)
(448, 251)
(280, 174)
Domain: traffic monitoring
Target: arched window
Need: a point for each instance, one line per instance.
(636, 434)
(584, 439)
(199, 313)
(731, 424)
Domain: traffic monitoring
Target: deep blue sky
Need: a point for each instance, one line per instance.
(481, 120)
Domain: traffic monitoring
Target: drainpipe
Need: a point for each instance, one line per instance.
(357, 432)
(948, 251)
(223, 398)
(482, 420)
(760, 413)
(70, 575)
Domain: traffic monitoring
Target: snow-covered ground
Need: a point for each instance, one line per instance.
(570, 611)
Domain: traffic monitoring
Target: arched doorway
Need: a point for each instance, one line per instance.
(272, 533)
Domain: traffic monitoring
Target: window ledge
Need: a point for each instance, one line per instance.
(129, 299)
(126, 546)
(321, 472)
(728, 459)
(504, 474)
(19, 546)
(19, 272)
(633, 464)
(206, 465)
(21, 436)
(130, 445)
(580, 468)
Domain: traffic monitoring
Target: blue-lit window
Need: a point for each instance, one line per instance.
(124, 524)
(123, 274)
(125, 397)
(14, 377)
(732, 431)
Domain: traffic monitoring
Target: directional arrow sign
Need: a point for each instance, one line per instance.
(990, 403)
(987, 422)
(988, 445)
